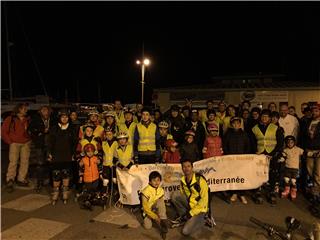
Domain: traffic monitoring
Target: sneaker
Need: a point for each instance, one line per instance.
(178, 222)
(243, 200)
(9, 186)
(233, 197)
(23, 183)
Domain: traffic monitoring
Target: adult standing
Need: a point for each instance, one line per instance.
(313, 149)
(119, 114)
(269, 140)
(146, 140)
(39, 130)
(15, 133)
(289, 123)
(176, 122)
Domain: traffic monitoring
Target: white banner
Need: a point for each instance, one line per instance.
(230, 172)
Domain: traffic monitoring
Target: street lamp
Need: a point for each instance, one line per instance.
(144, 64)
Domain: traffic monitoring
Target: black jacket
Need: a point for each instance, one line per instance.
(200, 133)
(313, 143)
(62, 143)
(189, 151)
(236, 142)
(37, 131)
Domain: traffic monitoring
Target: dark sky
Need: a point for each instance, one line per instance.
(97, 44)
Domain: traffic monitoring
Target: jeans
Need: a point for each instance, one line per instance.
(160, 208)
(181, 204)
(16, 150)
(313, 167)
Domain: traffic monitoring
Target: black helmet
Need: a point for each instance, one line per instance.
(289, 137)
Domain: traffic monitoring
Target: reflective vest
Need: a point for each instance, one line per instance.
(152, 195)
(169, 136)
(196, 193)
(91, 171)
(98, 132)
(268, 141)
(108, 152)
(147, 137)
(119, 117)
(85, 141)
(130, 131)
(124, 155)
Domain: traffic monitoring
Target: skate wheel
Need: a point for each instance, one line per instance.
(65, 202)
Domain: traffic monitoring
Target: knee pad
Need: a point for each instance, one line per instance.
(56, 175)
(105, 182)
(293, 181)
(65, 173)
(286, 179)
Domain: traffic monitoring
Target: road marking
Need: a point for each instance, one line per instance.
(118, 217)
(34, 228)
(28, 202)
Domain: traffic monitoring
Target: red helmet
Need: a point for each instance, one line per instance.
(190, 133)
(89, 147)
(212, 127)
(171, 143)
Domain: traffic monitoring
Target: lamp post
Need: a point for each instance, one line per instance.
(144, 63)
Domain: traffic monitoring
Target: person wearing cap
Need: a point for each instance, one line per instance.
(39, 130)
(14, 132)
(313, 149)
(176, 123)
(146, 140)
(213, 144)
(203, 113)
(231, 112)
(110, 121)
(196, 125)
(236, 141)
(164, 135)
(123, 155)
(189, 149)
(292, 155)
(268, 140)
(119, 114)
(171, 154)
(129, 125)
(61, 148)
(109, 146)
(289, 123)
(93, 119)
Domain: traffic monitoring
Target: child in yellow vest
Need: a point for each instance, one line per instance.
(153, 205)
(123, 155)
(109, 146)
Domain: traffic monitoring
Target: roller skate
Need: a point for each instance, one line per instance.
(9, 186)
(257, 198)
(293, 193)
(39, 186)
(55, 195)
(65, 194)
(286, 192)
(272, 198)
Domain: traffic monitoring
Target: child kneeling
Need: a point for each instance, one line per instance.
(154, 208)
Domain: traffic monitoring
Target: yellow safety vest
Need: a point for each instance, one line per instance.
(119, 118)
(85, 141)
(130, 131)
(268, 141)
(152, 195)
(147, 137)
(108, 152)
(169, 136)
(198, 201)
(124, 156)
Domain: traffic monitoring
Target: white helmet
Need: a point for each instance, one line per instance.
(122, 134)
(163, 124)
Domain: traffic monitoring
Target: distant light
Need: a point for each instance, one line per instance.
(138, 62)
(146, 62)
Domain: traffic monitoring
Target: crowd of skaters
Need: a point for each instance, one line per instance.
(88, 152)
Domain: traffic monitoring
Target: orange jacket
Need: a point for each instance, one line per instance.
(91, 171)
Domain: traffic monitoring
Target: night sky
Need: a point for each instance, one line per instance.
(97, 44)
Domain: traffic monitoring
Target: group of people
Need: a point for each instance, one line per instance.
(89, 152)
